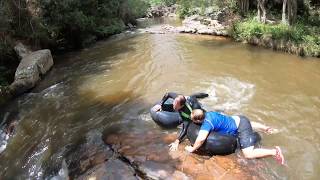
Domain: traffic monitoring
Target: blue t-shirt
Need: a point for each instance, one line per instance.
(220, 123)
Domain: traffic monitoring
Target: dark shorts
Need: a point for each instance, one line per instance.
(246, 135)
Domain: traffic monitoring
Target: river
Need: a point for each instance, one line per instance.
(111, 86)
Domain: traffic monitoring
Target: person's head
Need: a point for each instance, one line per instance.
(197, 116)
(179, 102)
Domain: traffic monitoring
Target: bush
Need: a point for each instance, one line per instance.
(75, 23)
(162, 2)
(300, 34)
(191, 7)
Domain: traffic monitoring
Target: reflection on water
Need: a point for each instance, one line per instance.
(111, 86)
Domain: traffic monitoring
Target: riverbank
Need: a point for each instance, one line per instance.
(299, 39)
(60, 26)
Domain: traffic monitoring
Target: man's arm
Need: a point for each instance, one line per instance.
(167, 96)
(183, 131)
(199, 95)
(202, 136)
(174, 146)
(261, 127)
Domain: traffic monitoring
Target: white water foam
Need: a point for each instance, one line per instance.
(228, 93)
(3, 140)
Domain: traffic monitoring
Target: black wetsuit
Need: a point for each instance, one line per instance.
(185, 112)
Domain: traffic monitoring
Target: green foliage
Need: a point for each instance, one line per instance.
(138, 8)
(8, 60)
(162, 2)
(75, 23)
(299, 34)
(191, 7)
(67, 23)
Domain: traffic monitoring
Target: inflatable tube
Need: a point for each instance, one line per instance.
(216, 144)
(166, 118)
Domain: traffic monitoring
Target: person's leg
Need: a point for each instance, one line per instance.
(247, 142)
(251, 153)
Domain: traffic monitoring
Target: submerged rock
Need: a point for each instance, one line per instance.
(94, 159)
(87, 155)
(113, 169)
(150, 153)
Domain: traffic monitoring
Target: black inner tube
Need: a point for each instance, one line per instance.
(167, 117)
(216, 144)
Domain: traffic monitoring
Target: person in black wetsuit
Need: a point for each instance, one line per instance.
(184, 105)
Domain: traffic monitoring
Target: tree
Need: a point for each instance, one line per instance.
(261, 5)
(284, 5)
(243, 6)
(289, 7)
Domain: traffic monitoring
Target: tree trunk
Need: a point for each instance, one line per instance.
(259, 13)
(261, 7)
(284, 5)
(292, 11)
(264, 11)
(243, 6)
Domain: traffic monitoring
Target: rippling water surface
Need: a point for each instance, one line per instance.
(112, 85)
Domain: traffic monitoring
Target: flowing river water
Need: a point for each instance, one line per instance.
(112, 85)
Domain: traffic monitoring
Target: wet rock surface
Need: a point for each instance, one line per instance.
(150, 153)
(93, 159)
(30, 69)
(195, 25)
(113, 169)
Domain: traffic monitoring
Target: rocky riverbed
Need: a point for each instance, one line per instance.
(147, 156)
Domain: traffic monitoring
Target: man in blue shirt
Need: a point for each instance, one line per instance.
(238, 126)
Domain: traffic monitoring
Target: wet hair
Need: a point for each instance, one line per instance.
(197, 115)
(181, 99)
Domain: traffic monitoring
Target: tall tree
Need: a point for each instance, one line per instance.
(243, 6)
(284, 5)
(261, 5)
(289, 11)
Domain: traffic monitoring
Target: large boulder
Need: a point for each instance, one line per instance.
(30, 70)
